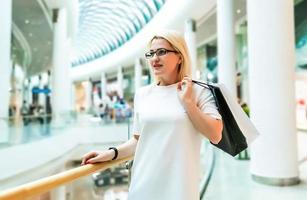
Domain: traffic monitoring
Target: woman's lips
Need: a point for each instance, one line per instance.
(157, 65)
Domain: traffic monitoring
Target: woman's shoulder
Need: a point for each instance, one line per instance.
(200, 90)
(144, 89)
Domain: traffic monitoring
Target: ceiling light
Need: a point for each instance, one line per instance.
(30, 34)
(27, 21)
(238, 11)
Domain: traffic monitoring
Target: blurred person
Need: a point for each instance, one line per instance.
(24, 110)
(101, 110)
(128, 110)
(12, 110)
(48, 111)
(170, 116)
(244, 106)
(39, 113)
(244, 155)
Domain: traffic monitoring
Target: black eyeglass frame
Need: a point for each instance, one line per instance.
(150, 54)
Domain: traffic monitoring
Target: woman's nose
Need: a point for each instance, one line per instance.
(155, 57)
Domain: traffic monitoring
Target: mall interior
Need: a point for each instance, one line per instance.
(69, 71)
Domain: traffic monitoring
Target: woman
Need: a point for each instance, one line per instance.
(170, 117)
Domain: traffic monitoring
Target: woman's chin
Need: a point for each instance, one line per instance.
(157, 73)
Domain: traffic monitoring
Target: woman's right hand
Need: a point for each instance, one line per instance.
(96, 157)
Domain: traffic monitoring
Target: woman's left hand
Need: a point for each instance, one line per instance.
(185, 92)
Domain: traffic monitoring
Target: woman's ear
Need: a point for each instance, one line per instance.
(180, 60)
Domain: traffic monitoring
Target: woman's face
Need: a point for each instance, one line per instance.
(164, 66)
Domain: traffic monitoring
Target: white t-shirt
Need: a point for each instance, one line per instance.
(167, 158)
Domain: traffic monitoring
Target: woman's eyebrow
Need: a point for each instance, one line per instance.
(157, 49)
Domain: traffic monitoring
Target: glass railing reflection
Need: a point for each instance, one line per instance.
(25, 129)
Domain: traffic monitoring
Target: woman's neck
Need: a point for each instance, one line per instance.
(163, 82)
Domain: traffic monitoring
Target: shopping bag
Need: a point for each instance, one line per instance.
(238, 131)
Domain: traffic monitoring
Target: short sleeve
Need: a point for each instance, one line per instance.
(136, 122)
(206, 103)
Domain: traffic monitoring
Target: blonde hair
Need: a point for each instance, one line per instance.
(177, 41)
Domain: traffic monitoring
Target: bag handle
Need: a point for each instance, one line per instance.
(206, 85)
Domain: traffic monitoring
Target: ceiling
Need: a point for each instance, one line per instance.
(103, 26)
(32, 36)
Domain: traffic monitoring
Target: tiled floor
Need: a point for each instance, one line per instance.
(231, 180)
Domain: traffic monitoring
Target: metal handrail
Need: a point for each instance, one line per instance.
(48, 183)
(208, 175)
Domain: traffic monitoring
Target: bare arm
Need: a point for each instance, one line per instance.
(124, 150)
(208, 126)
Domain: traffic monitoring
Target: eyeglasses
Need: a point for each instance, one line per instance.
(158, 52)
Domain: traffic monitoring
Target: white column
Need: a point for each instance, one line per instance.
(49, 95)
(30, 86)
(137, 74)
(202, 62)
(272, 101)
(226, 45)
(61, 83)
(120, 78)
(89, 94)
(41, 96)
(25, 86)
(13, 93)
(73, 97)
(5, 64)
(190, 37)
(103, 88)
(243, 62)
